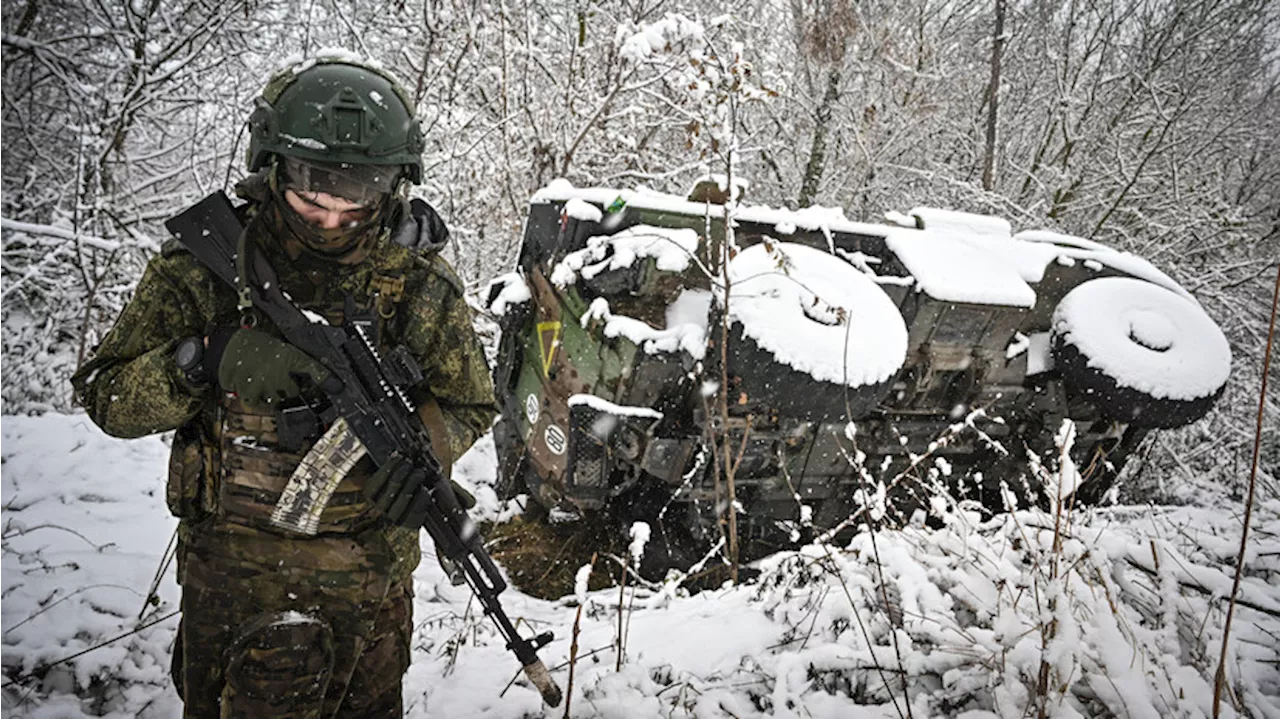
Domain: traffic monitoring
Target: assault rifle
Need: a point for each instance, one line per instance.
(367, 409)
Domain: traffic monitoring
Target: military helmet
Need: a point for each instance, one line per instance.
(336, 110)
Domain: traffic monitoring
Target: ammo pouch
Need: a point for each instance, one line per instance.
(255, 470)
(187, 491)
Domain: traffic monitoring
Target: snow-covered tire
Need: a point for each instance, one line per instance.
(810, 335)
(1139, 353)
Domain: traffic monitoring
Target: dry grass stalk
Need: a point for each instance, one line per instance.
(622, 593)
(1220, 678)
(573, 650)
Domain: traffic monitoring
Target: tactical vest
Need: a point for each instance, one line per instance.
(228, 464)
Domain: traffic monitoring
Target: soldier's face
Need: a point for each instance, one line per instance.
(325, 211)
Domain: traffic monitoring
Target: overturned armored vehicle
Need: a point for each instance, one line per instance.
(867, 367)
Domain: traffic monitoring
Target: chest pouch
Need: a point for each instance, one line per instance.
(256, 469)
(188, 491)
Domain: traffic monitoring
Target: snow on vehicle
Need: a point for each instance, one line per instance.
(867, 363)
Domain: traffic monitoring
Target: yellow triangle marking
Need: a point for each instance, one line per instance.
(548, 341)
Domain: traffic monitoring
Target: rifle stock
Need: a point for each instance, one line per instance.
(366, 392)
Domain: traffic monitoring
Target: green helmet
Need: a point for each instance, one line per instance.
(336, 111)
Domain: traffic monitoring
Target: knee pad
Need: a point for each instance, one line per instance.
(279, 665)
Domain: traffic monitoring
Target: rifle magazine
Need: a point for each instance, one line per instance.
(316, 478)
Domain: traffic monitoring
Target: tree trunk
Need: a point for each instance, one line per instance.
(818, 150)
(993, 107)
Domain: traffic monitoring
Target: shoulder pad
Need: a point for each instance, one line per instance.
(171, 247)
(441, 268)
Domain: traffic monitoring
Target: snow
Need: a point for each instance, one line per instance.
(990, 256)
(817, 217)
(967, 224)
(1135, 594)
(690, 337)
(812, 219)
(866, 264)
(691, 307)
(948, 268)
(740, 184)
(59, 233)
(640, 533)
(1033, 250)
(580, 210)
(894, 217)
(1057, 238)
(601, 404)
(820, 316)
(1039, 353)
(671, 249)
(298, 64)
(580, 581)
(85, 524)
(1145, 337)
(514, 291)
(1019, 344)
(639, 42)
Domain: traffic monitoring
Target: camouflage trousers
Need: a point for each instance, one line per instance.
(298, 628)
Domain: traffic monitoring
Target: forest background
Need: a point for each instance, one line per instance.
(1150, 125)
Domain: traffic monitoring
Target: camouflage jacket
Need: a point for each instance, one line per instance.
(225, 468)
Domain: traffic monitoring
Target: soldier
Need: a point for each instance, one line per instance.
(273, 623)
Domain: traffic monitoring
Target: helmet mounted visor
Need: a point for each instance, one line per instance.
(361, 184)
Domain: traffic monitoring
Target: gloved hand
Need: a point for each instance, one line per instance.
(259, 368)
(399, 490)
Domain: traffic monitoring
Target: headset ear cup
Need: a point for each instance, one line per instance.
(417, 143)
(264, 130)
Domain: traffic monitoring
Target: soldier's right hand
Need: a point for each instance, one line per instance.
(262, 369)
(399, 490)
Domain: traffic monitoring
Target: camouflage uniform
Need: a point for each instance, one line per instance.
(240, 651)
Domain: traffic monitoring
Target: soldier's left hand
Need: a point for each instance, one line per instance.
(262, 370)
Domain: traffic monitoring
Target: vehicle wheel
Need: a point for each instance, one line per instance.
(1140, 353)
(810, 335)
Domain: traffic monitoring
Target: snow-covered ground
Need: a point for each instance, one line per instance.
(976, 620)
